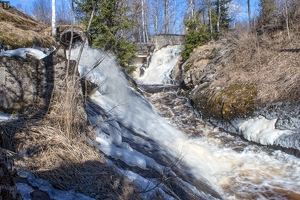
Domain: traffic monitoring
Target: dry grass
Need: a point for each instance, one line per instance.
(69, 163)
(271, 63)
(56, 148)
(19, 30)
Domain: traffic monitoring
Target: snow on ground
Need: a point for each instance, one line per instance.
(5, 117)
(23, 52)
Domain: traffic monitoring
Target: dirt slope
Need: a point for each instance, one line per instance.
(19, 30)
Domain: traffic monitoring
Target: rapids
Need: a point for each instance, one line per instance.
(157, 141)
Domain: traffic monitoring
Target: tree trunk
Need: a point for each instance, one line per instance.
(156, 16)
(287, 19)
(167, 16)
(249, 13)
(192, 7)
(210, 20)
(53, 18)
(143, 22)
(219, 15)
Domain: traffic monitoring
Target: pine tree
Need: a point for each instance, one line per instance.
(223, 19)
(197, 34)
(109, 27)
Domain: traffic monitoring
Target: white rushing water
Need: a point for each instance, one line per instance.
(161, 66)
(250, 173)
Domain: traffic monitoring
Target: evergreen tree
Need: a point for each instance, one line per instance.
(223, 22)
(197, 34)
(109, 27)
(225, 19)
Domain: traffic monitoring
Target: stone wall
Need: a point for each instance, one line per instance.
(162, 40)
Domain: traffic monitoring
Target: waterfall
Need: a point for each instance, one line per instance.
(131, 130)
(161, 66)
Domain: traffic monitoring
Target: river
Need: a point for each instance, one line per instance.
(158, 142)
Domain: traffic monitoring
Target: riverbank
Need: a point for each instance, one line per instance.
(249, 77)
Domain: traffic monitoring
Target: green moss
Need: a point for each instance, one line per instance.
(235, 101)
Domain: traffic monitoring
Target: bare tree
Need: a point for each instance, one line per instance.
(210, 17)
(41, 11)
(167, 16)
(287, 19)
(64, 12)
(249, 13)
(144, 23)
(156, 16)
(218, 15)
(192, 8)
(53, 18)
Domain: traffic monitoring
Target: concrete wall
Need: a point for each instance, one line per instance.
(162, 40)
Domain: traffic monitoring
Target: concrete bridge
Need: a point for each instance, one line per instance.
(156, 42)
(162, 40)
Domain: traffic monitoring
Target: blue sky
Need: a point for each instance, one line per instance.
(25, 3)
(26, 6)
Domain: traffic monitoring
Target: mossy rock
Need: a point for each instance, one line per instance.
(235, 101)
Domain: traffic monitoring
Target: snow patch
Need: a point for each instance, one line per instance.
(261, 130)
(5, 117)
(23, 52)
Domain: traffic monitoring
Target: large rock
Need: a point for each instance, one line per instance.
(29, 84)
(235, 101)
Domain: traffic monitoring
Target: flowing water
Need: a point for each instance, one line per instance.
(156, 137)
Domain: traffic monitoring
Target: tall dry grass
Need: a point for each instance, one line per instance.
(270, 62)
(69, 163)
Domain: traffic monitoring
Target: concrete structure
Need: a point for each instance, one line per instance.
(162, 40)
(144, 53)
